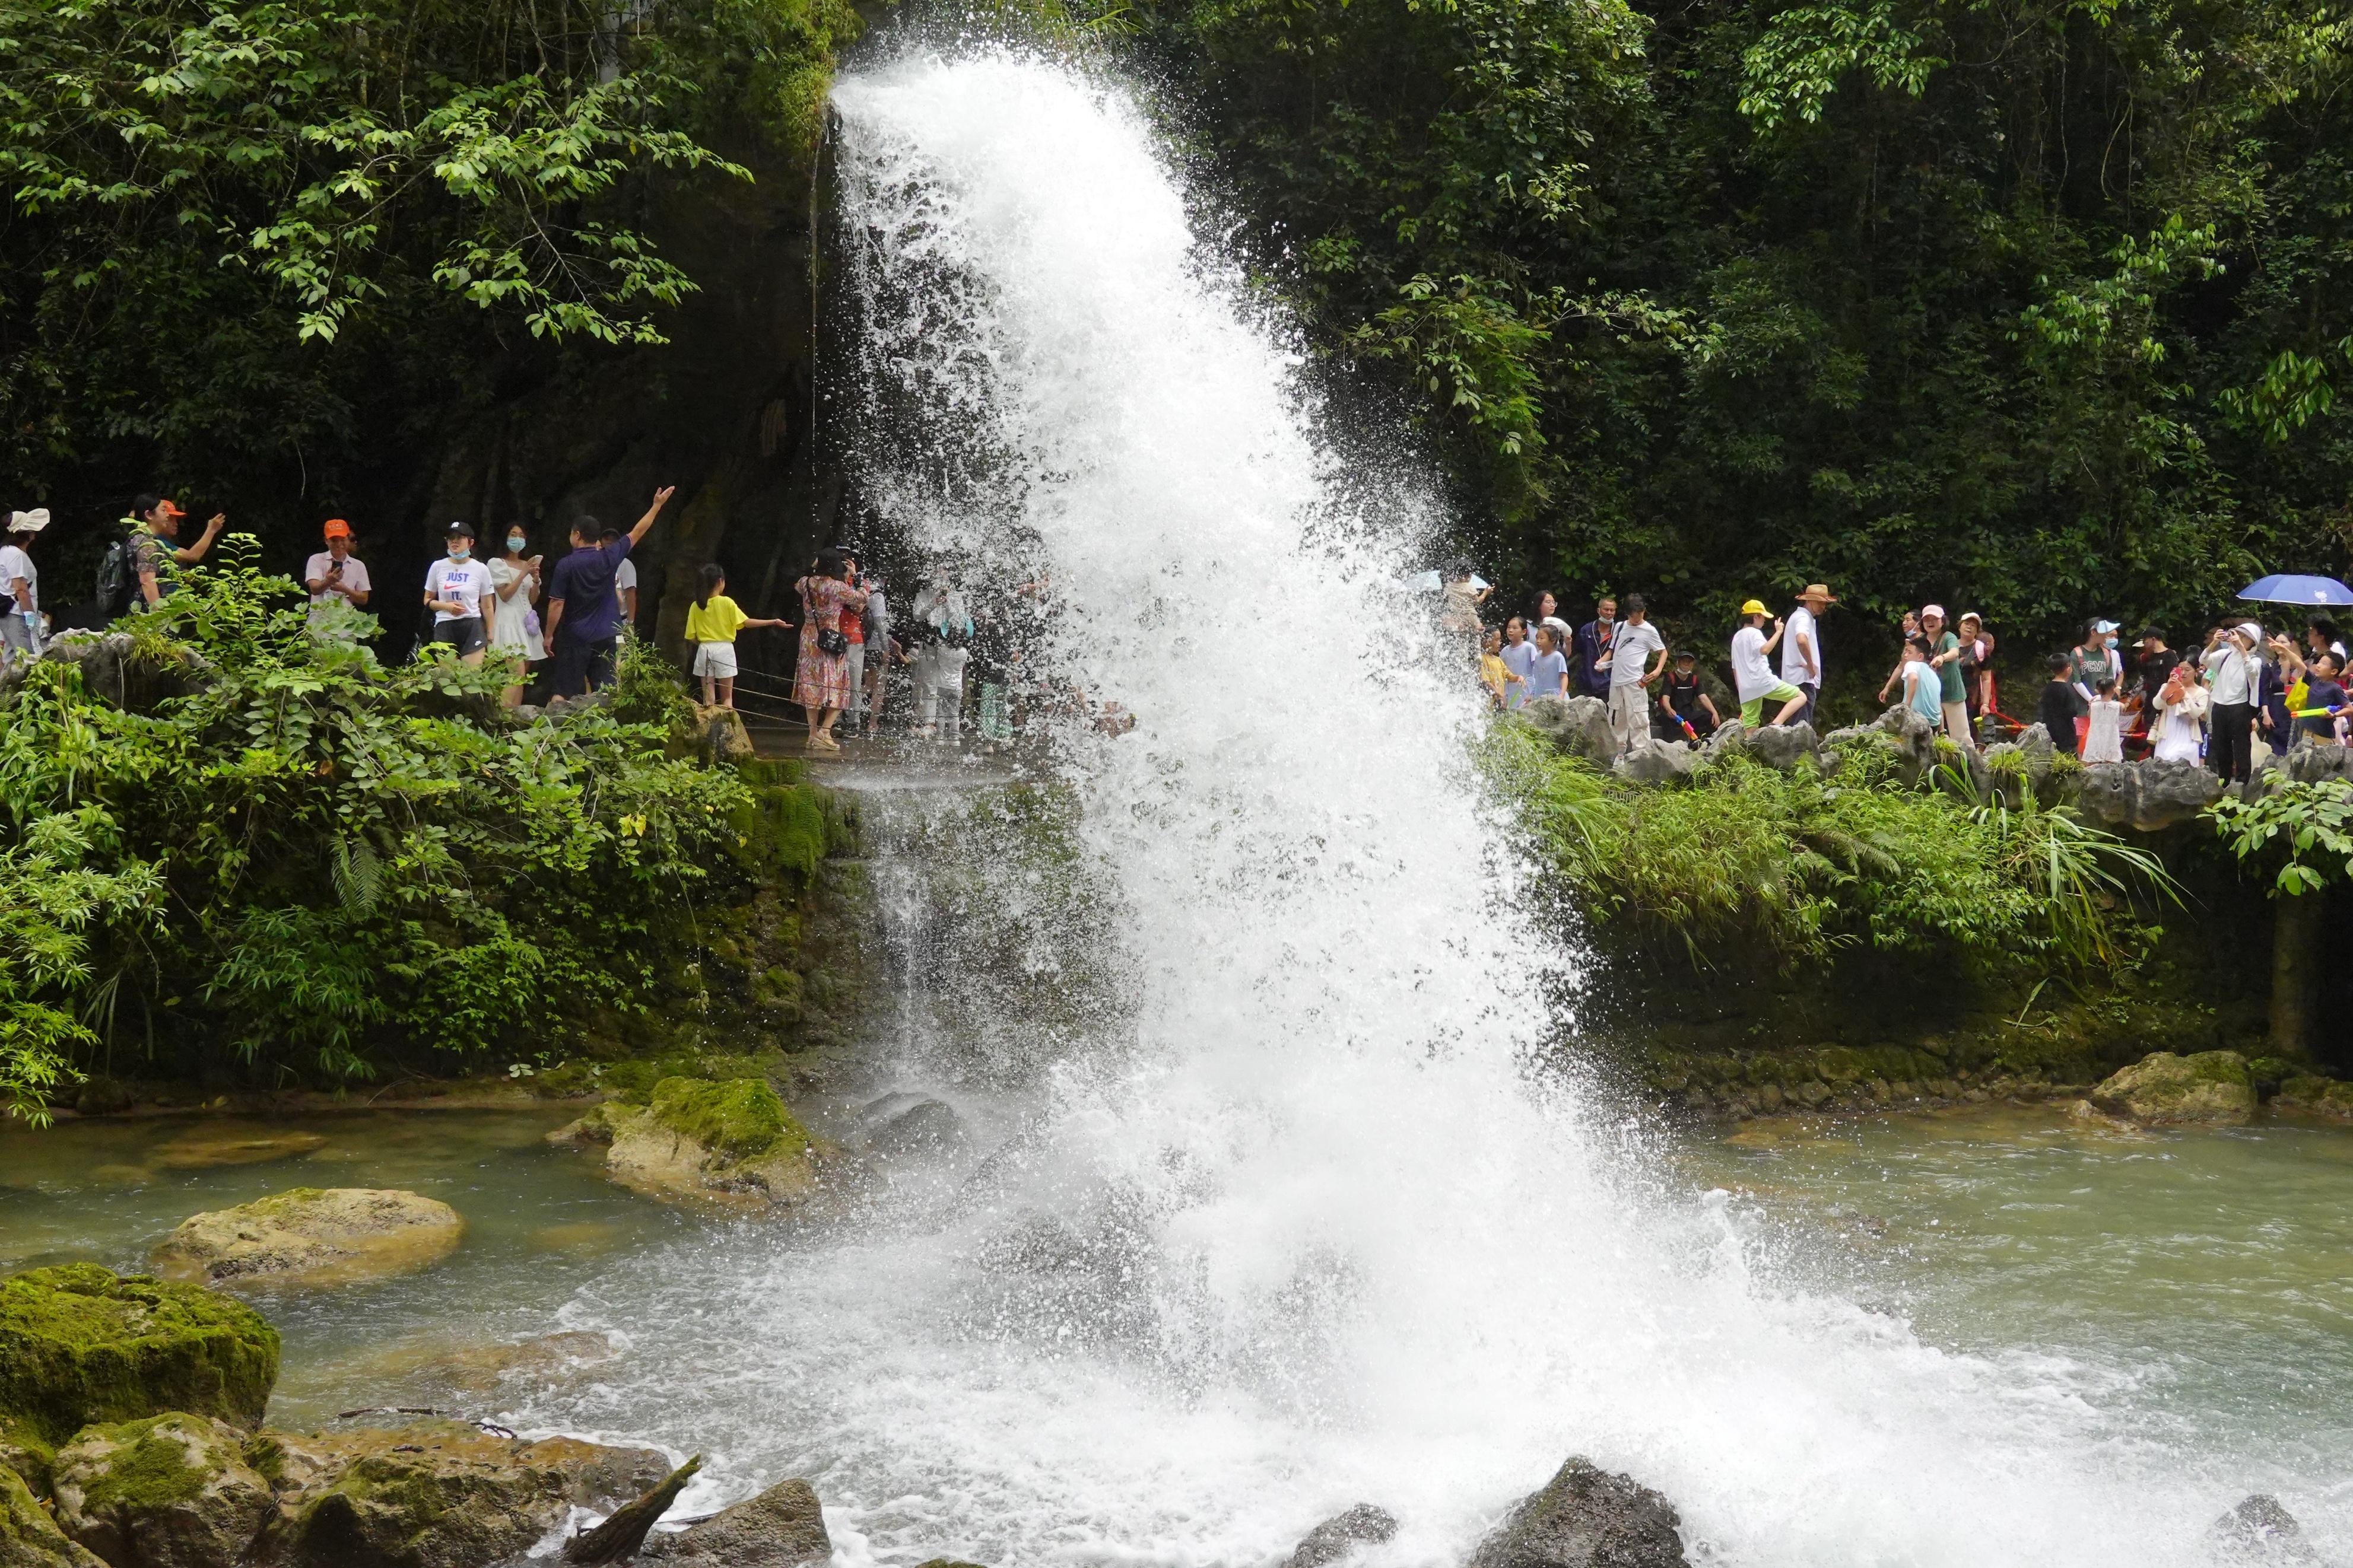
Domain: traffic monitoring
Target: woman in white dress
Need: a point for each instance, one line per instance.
(514, 625)
(2181, 723)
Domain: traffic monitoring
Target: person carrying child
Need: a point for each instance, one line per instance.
(711, 623)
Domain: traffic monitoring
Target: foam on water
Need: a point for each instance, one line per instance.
(1297, 1227)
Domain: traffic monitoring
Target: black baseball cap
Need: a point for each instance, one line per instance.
(459, 530)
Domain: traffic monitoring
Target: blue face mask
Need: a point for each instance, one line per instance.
(460, 552)
(515, 541)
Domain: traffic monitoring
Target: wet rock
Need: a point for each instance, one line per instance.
(2211, 1086)
(924, 1127)
(211, 1147)
(433, 1494)
(170, 1491)
(729, 1142)
(2321, 1096)
(2260, 1531)
(313, 1237)
(724, 740)
(1657, 762)
(80, 1345)
(781, 1527)
(29, 1538)
(1341, 1536)
(596, 1129)
(2146, 796)
(103, 1096)
(1586, 1518)
(1785, 746)
(479, 1368)
(1576, 725)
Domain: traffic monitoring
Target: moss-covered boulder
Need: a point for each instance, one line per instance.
(29, 1538)
(434, 1494)
(781, 1527)
(80, 1345)
(312, 1236)
(729, 1142)
(170, 1491)
(2211, 1086)
(2322, 1095)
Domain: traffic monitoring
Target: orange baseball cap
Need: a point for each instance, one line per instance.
(337, 529)
(171, 509)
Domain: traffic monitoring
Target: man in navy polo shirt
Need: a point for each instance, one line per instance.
(581, 642)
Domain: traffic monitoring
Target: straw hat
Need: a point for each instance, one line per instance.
(1817, 590)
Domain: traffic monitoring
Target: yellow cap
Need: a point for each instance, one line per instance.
(1754, 608)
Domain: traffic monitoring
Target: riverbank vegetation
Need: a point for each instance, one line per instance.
(232, 850)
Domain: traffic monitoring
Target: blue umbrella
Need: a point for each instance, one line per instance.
(2279, 590)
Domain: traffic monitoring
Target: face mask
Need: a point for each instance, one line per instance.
(515, 541)
(460, 552)
(2111, 642)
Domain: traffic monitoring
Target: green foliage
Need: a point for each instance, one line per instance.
(2302, 832)
(1745, 857)
(310, 860)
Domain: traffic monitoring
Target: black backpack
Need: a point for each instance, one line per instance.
(118, 576)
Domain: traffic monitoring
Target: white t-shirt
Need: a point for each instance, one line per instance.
(468, 581)
(1793, 658)
(15, 563)
(1631, 654)
(624, 577)
(354, 575)
(1752, 671)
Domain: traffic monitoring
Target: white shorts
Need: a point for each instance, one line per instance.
(715, 658)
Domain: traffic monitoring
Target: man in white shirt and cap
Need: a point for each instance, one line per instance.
(1802, 647)
(20, 587)
(2232, 678)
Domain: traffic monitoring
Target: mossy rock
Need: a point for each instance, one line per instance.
(29, 1538)
(730, 1141)
(313, 1237)
(740, 1117)
(2322, 1096)
(80, 1345)
(170, 1491)
(2211, 1086)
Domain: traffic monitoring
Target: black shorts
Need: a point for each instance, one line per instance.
(465, 636)
(580, 666)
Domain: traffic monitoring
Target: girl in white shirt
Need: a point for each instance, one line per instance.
(2104, 740)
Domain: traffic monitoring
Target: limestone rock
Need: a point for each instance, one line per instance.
(724, 740)
(215, 1146)
(80, 1345)
(1586, 1518)
(1341, 1536)
(2313, 761)
(781, 1527)
(2146, 796)
(1576, 725)
(2260, 1531)
(28, 1536)
(1657, 762)
(729, 1142)
(434, 1494)
(312, 1236)
(170, 1491)
(2211, 1086)
(1784, 746)
(923, 1126)
(2322, 1095)
(1730, 736)
(596, 1129)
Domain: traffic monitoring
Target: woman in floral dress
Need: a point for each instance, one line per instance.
(821, 677)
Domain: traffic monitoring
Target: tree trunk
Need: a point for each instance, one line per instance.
(621, 1535)
(2297, 948)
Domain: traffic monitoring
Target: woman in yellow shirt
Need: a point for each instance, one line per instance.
(712, 624)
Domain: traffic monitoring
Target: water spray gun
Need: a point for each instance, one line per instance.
(1689, 733)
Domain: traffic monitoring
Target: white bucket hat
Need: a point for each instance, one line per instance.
(31, 522)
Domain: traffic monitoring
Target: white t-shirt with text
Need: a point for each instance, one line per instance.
(1631, 653)
(468, 581)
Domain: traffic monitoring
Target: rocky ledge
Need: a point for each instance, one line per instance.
(2209, 1086)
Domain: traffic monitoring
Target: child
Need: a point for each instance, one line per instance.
(937, 667)
(1519, 656)
(712, 624)
(2104, 740)
(2060, 705)
(1924, 689)
(1493, 672)
(1548, 672)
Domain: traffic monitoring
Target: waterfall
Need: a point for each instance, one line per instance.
(1285, 1216)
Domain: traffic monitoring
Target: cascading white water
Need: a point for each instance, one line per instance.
(1298, 1228)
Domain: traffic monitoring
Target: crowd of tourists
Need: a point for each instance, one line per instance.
(2107, 698)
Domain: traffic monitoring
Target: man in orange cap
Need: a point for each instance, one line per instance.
(155, 555)
(335, 573)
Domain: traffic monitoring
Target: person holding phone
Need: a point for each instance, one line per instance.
(334, 574)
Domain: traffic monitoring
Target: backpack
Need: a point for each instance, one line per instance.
(118, 576)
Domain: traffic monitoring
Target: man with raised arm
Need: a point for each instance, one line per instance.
(584, 610)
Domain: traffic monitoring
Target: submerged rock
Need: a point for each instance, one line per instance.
(433, 1494)
(1341, 1536)
(80, 1345)
(2211, 1086)
(312, 1236)
(221, 1146)
(479, 1369)
(29, 1538)
(170, 1491)
(1586, 1518)
(729, 1141)
(781, 1527)
(920, 1127)
(2260, 1531)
